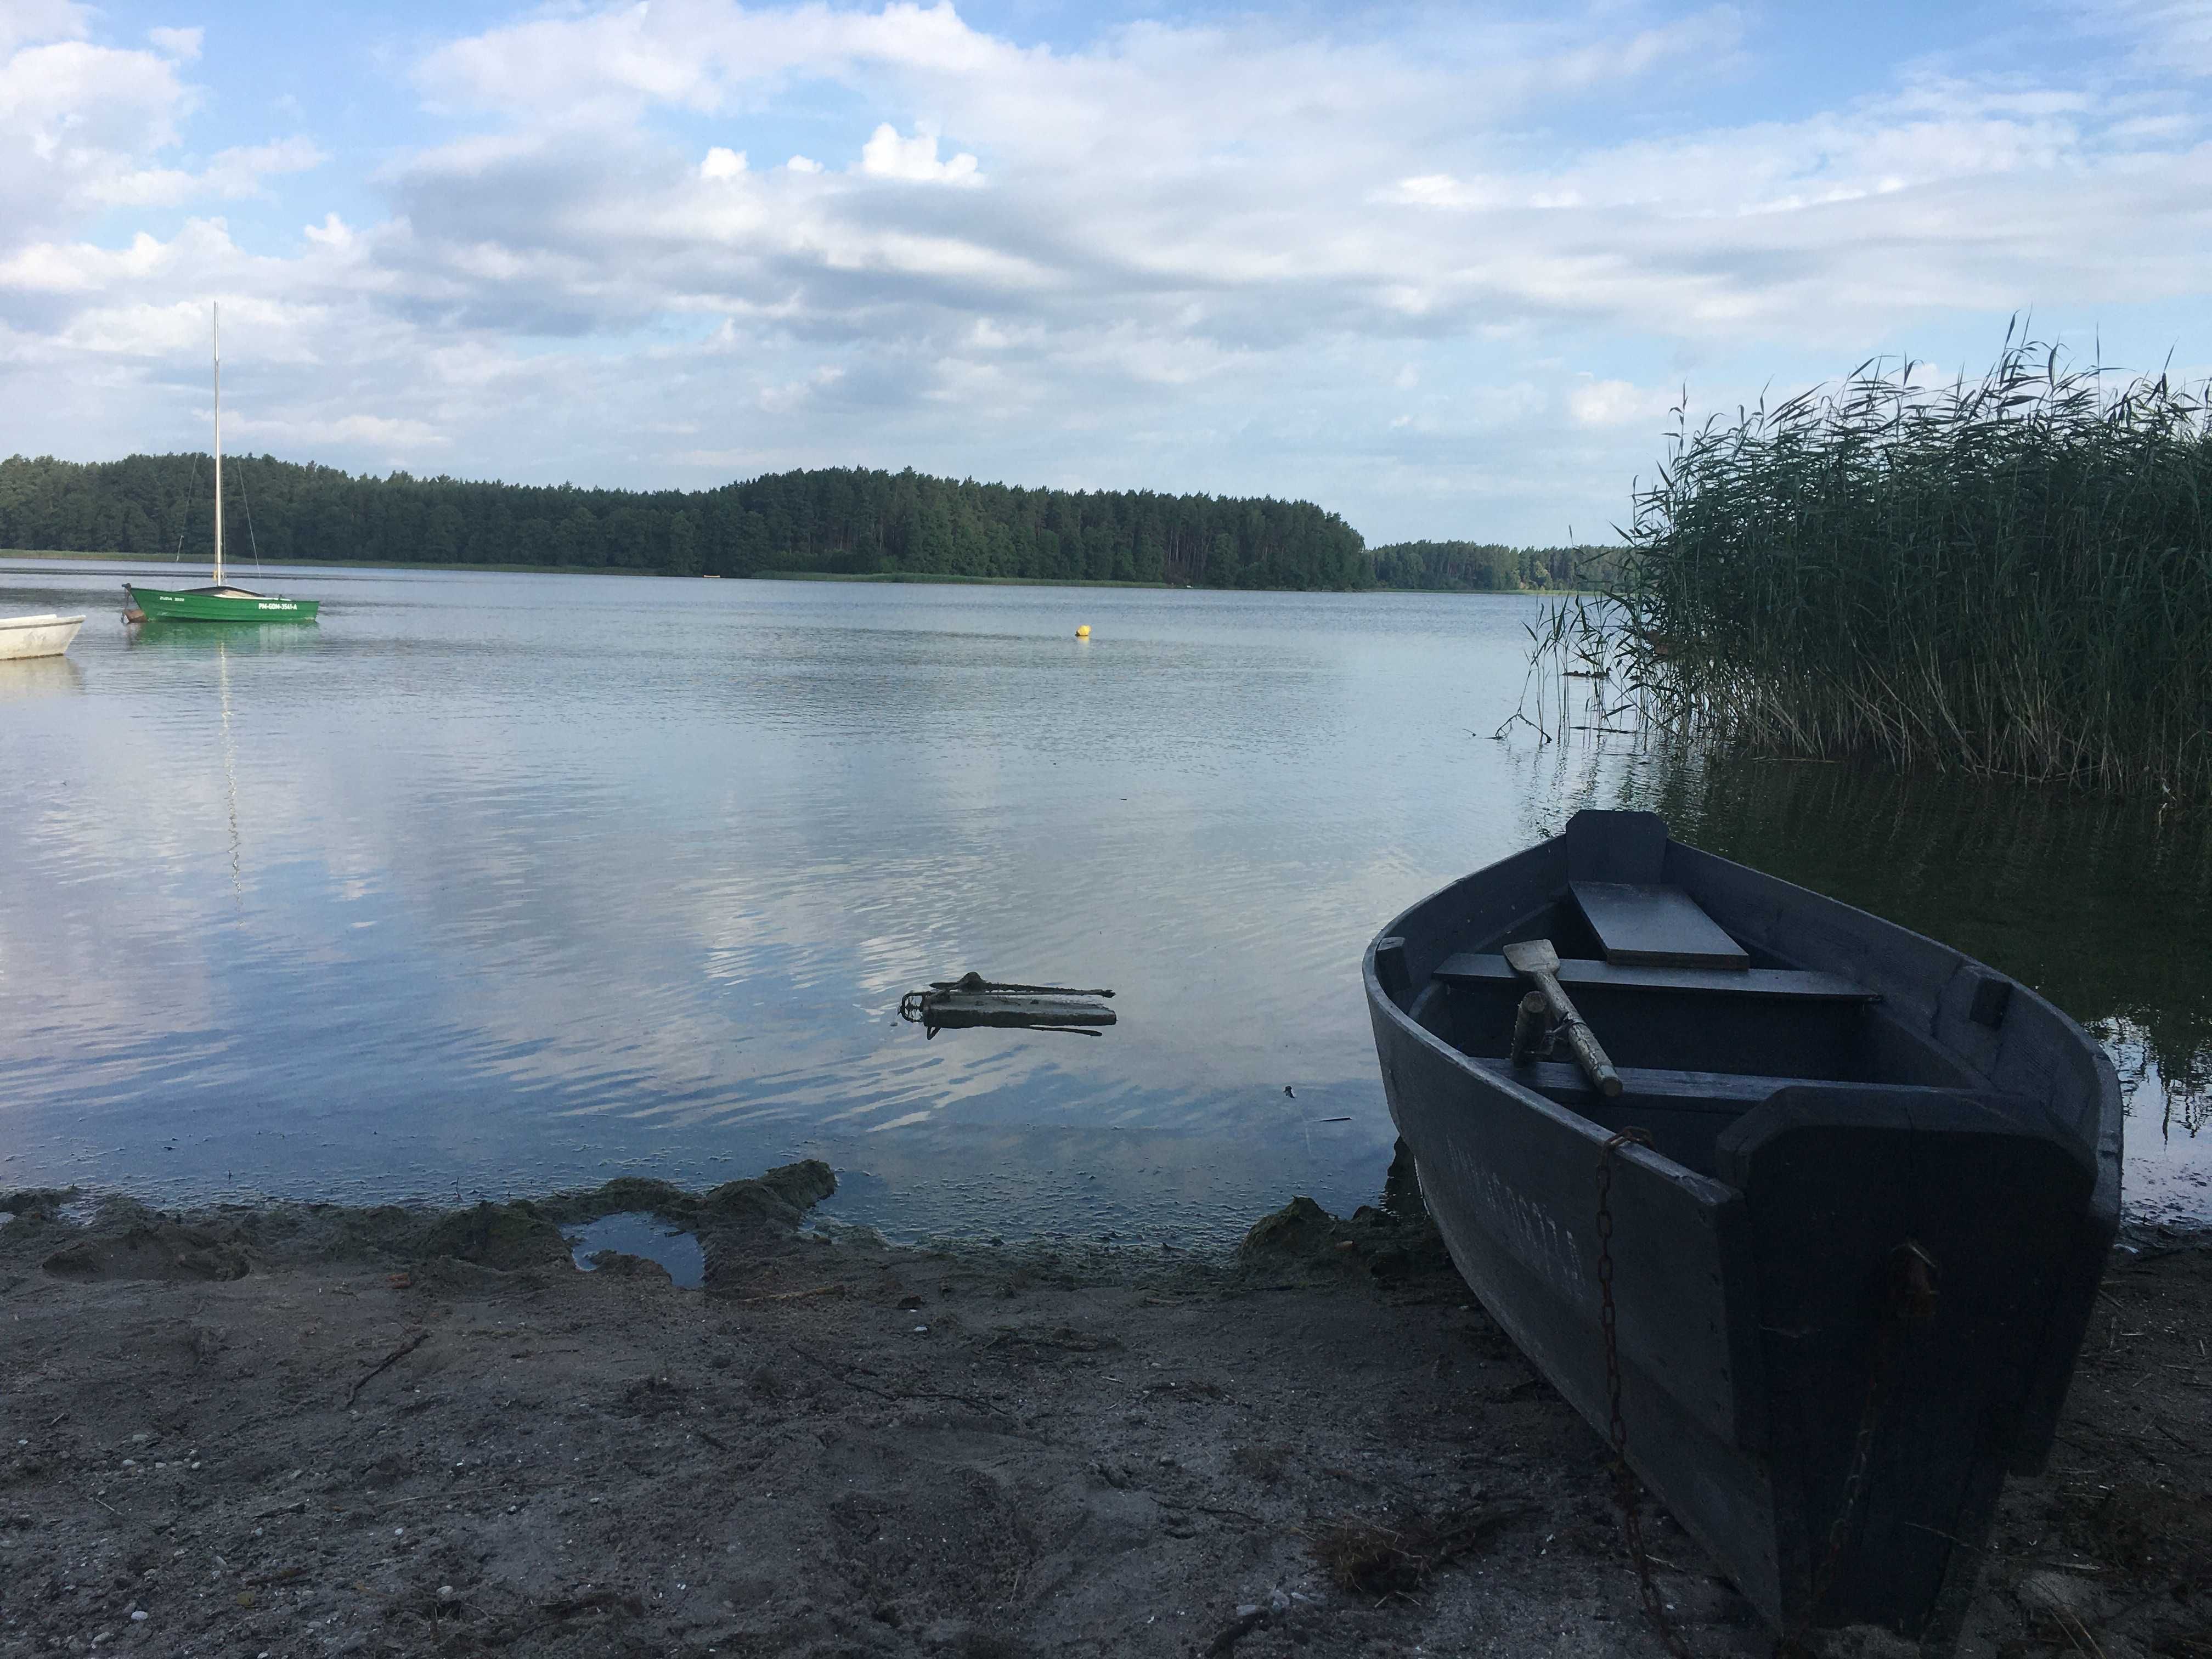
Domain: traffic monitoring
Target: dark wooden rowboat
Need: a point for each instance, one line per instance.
(1853, 1266)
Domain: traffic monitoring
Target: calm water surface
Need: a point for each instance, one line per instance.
(495, 883)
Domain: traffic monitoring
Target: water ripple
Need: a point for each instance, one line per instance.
(493, 883)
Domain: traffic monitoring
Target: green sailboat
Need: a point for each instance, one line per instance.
(220, 602)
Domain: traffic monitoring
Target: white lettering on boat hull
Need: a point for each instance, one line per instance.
(1522, 1226)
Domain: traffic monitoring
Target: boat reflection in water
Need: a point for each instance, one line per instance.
(228, 639)
(222, 641)
(38, 677)
(2102, 905)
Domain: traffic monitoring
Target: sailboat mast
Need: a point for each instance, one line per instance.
(216, 337)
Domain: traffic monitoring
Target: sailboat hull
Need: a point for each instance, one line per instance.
(229, 604)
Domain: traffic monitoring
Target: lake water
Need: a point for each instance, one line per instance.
(494, 884)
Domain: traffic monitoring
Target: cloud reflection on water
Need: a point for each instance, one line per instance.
(541, 879)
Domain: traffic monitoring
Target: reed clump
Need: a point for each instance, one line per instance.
(2011, 576)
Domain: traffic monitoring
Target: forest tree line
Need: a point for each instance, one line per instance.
(1488, 567)
(835, 521)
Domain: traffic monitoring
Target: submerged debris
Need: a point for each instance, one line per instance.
(972, 1001)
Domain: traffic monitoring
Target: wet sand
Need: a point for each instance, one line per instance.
(313, 1429)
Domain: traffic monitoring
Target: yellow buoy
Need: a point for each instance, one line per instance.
(1083, 632)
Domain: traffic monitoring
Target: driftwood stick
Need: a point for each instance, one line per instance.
(842, 1375)
(388, 1363)
(790, 1296)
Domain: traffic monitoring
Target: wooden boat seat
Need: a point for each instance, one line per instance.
(1690, 1117)
(1478, 968)
(1725, 1093)
(1647, 925)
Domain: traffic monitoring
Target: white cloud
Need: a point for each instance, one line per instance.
(796, 394)
(1208, 249)
(887, 155)
(1616, 403)
(386, 434)
(2165, 34)
(75, 118)
(23, 20)
(82, 268)
(697, 54)
(232, 174)
(85, 127)
(1441, 190)
(183, 43)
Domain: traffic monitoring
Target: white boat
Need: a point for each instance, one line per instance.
(45, 635)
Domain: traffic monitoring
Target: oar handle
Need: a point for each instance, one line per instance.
(1592, 1060)
(1588, 1054)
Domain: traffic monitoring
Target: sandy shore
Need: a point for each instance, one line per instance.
(312, 1430)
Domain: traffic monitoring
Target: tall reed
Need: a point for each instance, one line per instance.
(2010, 576)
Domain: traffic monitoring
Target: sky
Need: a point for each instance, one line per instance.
(1445, 269)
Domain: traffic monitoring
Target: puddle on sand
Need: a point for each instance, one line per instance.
(633, 1232)
(79, 1213)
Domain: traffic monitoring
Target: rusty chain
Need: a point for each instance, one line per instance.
(1624, 1480)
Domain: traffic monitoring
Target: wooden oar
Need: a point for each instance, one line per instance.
(1535, 959)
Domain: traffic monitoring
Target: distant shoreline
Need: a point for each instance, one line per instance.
(902, 576)
(47, 555)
